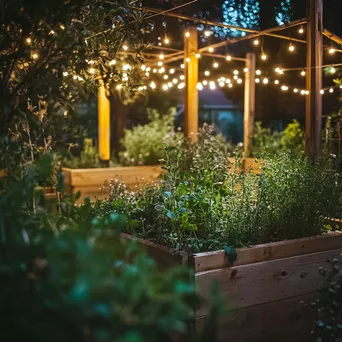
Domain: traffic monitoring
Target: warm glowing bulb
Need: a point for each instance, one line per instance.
(245, 69)
(181, 85)
(28, 41)
(276, 82)
(35, 56)
(236, 77)
(198, 55)
(162, 70)
(182, 77)
(207, 33)
(172, 71)
(212, 85)
(112, 62)
(258, 72)
(303, 73)
(187, 59)
(205, 82)
(229, 58)
(206, 73)
(257, 80)
(166, 77)
(301, 30)
(199, 86)
(170, 84)
(236, 72)
(284, 88)
(187, 34)
(265, 81)
(221, 84)
(264, 57)
(211, 49)
(322, 91)
(230, 85)
(215, 65)
(182, 66)
(167, 41)
(256, 42)
(239, 81)
(331, 90)
(125, 47)
(295, 90)
(161, 56)
(92, 71)
(154, 70)
(175, 80)
(153, 85)
(292, 47)
(160, 63)
(165, 87)
(332, 51)
(332, 70)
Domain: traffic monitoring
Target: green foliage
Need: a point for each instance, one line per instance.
(266, 141)
(144, 145)
(202, 204)
(70, 276)
(328, 326)
(89, 157)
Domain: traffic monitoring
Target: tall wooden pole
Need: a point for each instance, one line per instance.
(249, 110)
(191, 80)
(314, 78)
(103, 123)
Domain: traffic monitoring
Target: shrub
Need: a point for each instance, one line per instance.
(266, 141)
(144, 145)
(202, 204)
(69, 276)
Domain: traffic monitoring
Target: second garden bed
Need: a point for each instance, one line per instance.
(263, 288)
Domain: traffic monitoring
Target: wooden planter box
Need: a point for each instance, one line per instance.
(94, 182)
(263, 288)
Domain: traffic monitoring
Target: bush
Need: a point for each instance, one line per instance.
(144, 145)
(266, 141)
(203, 205)
(69, 276)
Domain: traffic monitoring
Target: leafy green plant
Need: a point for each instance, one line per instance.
(266, 141)
(144, 145)
(205, 204)
(70, 276)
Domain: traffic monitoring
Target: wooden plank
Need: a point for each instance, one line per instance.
(260, 283)
(162, 255)
(270, 251)
(282, 321)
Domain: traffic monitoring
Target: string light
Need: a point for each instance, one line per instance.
(112, 62)
(35, 56)
(239, 81)
(322, 91)
(221, 84)
(284, 88)
(166, 77)
(182, 77)
(199, 86)
(187, 59)
(257, 80)
(167, 41)
(331, 90)
(264, 56)
(332, 70)
(207, 33)
(175, 80)
(332, 50)
(211, 49)
(265, 81)
(276, 82)
(125, 47)
(258, 72)
(212, 85)
(236, 72)
(207, 73)
(215, 65)
(229, 58)
(161, 56)
(205, 82)
(172, 71)
(28, 41)
(160, 63)
(65, 73)
(92, 71)
(198, 55)
(303, 73)
(256, 42)
(170, 84)
(165, 87)
(292, 48)
(153, 85)
(182, 66)
(181, 85)
(187, 34)
(301, 30)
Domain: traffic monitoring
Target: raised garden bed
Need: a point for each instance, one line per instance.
(95, 182)
(263, 288)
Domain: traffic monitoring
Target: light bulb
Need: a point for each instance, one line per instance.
(28, 41)
(170, 84)
(264, 57)
(265, 81)
(35, 56)
(211, 49)
(258, 72)
(172, 71)
(187, 34)
(65, 73)
(166, 77)
(245, 70)
(205, 82)
(332, 70)
(162, 70)
(292, 47)
(230, 85)
(221, 84)
(198, 55)
(187, 59)
(182, 77)
(215, 65)
(182, 66)
(236, 77)
(301, 30)
(175, 80)
(207, 33)
(295, 90)
(92, 71)
(207, 73)
(257, 80)
(161, 56)
(256, 42)
(332, 51)
(236, 72)
(112, 62)
(322, 91)
(165, 87)
(228, 81)
(239, 81)
(276, 82)
(160, 63)
(167, 40)
(199, 86)
(125, 47)
(303, 73)
(181, 85)
(331, 90)
(153, 85)
(212, 85)
(229, 58)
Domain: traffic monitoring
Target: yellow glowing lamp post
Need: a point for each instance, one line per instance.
(191, 80)
(103, 123)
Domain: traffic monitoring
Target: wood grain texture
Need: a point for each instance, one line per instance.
(280, 321)
(268, 281)
(270, 251)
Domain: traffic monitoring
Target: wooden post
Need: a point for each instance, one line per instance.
(314, 78)
(191, 80)
(249, 110)
(103, 123)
